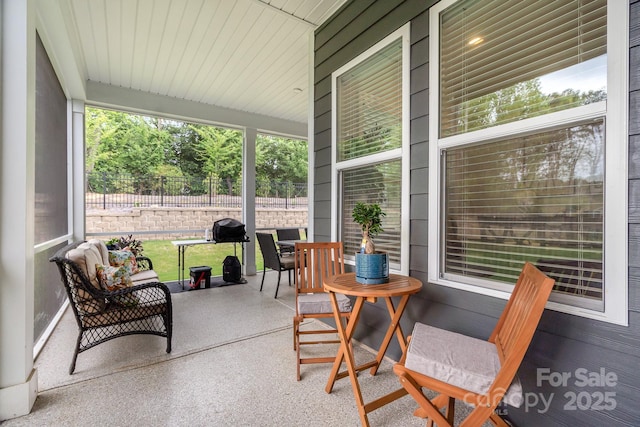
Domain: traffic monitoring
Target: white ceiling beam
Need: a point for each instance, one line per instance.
(287, 14)
(57, 40)
(103, 95)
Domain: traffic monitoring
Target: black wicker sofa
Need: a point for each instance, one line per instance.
(143, 308)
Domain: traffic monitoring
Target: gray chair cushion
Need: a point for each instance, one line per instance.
(320, 303)
(466, 362)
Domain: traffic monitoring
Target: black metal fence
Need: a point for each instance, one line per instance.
(105, 191)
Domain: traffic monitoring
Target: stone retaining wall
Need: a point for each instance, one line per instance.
(181, 222)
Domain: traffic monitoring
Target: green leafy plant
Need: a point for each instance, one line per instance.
(369, 217)
(126, 241)
(112, 243)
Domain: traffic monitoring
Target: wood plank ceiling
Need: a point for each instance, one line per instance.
(246, 55)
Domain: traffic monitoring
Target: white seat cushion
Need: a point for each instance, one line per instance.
(466, 362)
(320, 303)
(144, 276)
(287, 261)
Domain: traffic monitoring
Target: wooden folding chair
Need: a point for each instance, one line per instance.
(314, 262)
(481, 373)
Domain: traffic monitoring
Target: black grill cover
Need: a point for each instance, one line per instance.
(229, 230)
(231, 269)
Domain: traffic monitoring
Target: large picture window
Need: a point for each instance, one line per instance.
(525, 131)
(370, 117)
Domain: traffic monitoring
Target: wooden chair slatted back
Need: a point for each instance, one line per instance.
(519, 320)
(314, 262)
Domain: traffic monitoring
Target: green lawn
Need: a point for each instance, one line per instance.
(165, 257)
(507, 263)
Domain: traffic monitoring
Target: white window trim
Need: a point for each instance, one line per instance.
(404, 33)
(616, 161)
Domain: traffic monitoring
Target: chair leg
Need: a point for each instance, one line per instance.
(278, 285)
(298, 357)
(497, 420)
(440, 401)
(426, 406)
(450, 409)
(72, 367)
(264, 270)
(479, 415)
(289, 271)
(169, 328)
(296, 324)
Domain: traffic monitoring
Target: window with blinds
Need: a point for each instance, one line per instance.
(368, 130)
(378, 183)
(506, 61)
(536, 198)
(513, 188)
(369, 105)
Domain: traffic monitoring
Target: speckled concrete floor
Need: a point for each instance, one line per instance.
(232, 364)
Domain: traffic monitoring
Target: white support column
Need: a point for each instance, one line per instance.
(18, 377)
(76, 171)
(249, 199)
(311, 159)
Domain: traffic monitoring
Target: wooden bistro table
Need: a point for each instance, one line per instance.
(398, 286)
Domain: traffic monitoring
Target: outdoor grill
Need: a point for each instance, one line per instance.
(229, 230)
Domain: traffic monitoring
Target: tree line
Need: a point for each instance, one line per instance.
(122, 143)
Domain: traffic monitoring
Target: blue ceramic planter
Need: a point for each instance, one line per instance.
(372, 269)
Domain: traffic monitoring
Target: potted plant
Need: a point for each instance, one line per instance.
(112, 244)
(372, 267)
(129, 241)
(132, 243)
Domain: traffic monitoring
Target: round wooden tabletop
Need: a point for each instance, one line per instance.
(398, 285)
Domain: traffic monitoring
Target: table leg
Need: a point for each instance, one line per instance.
(181, 250)
(353, 319)
(394, 327)
(179, 264)
(346, 353)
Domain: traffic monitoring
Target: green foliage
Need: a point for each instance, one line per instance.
(170, 171)
(281, 159)
(219, 151)
(129, 241)
(113, 242)
(134, 145)
(369, 217)
(370, 141)
(519, 101)
(182, 151)
(124, 143)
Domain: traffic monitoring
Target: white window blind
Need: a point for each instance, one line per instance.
(536, 198)
(506, 61)
(369, 105)
(377, 183)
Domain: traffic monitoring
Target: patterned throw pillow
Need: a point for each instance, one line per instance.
(114, 278)
(124, 258)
